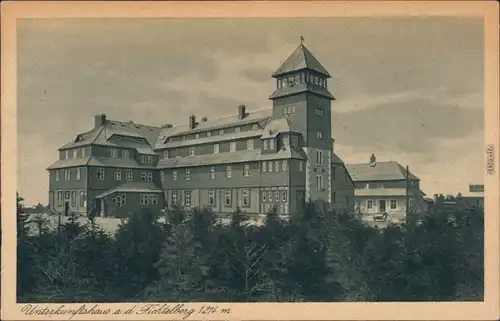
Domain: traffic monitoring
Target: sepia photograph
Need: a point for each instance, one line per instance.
(182, 166)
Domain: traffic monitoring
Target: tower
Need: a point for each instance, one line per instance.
(302, 96)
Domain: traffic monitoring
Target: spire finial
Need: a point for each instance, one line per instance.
(301, 40)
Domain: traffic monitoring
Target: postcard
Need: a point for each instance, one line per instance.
(257, 160)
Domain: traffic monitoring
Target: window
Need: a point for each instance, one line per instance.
(174, 198)
(153, 199)
(150, 177)
(237, 130)
(100, 173)
(264, 167)
(211, 197)
(114, 152)
(216, 149)
(255, 126)
(209, 134)
(174, 175)
(67, 174)
(246, 170)
(232, 147)
(118, 174)
(59, 198)
(394, 204)
(294, 141)
(369, 204)
(162, 175)
(191, 151)
(196, 136)
(277, 166)
(228, 171)
(212, 172)
(86, 151)
(319, 135)
(245, 198)
(120, 200)
(57, 175)
(333, 171)
(277, 196)
(285, 165)
(188, 174)
(269, 167)
(187, 198)
(144, 176)
(75, 153)
(301, 166)
(288, 110)
(284, 197)
(221, 131)
(265, 144)
(250, 144)
(334, 198)
(67, 154)
(165, 154)
(82, 198)
(319, 157)
(183, 138)
(320, 112)
(73, 198)
(227, 198)
(319, 182)
(263, 196)
(272, 144)
(125, 153)
(129, 174)
(143, 199)
(270, 196)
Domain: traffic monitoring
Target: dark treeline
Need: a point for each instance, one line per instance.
(313, 256)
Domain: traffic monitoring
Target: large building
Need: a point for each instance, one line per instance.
(255, 160)
(386, 187)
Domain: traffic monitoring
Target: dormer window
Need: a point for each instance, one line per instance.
(237, 130)
(165, 154)
(196, 136)
(209, 134)
(221, 131)
(255, 126)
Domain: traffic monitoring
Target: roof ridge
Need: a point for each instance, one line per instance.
(229, 116)
(131, 122)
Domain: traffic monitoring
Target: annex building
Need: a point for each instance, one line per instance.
(256, 160)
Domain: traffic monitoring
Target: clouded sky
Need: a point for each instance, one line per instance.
(408, 89)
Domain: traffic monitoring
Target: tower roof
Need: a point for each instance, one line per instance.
(301, 59)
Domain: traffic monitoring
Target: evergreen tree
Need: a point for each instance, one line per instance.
(182, 270)
(138, 244)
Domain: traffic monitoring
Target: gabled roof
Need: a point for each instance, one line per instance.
(301, 59)
(378, 171)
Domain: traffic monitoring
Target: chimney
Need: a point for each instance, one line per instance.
(373, 159)
(100, 120)
(192, 122)
(241, 111)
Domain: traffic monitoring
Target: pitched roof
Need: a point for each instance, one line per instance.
(225, 158)
(300, 59)
(212, 139)
(215, 123)
(117, 162)
(102, 135)
(132, 187)
(379, 171)
(66, 163)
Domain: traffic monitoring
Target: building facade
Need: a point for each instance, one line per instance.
(278, 157)
(386, 187)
